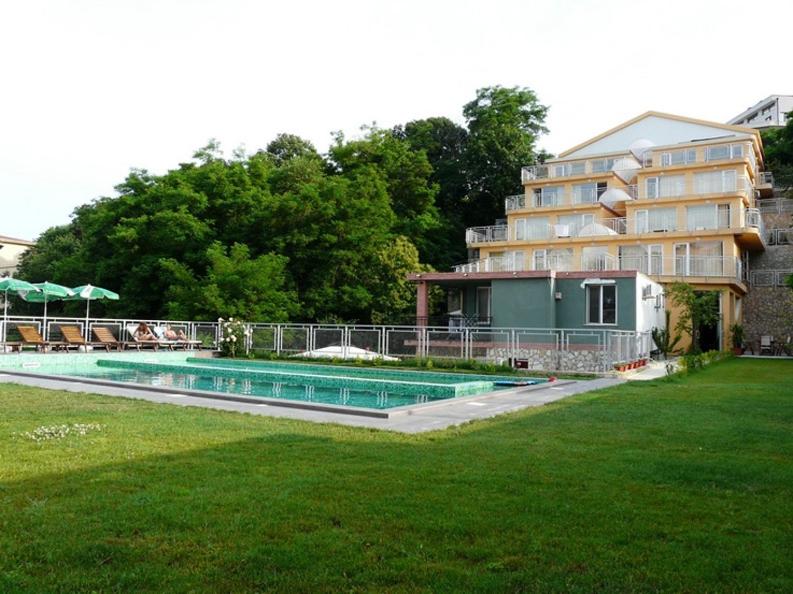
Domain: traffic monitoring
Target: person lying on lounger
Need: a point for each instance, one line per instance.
(171, 334)
(142, 332)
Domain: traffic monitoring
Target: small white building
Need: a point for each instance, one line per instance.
(11, 249)
(771, 112)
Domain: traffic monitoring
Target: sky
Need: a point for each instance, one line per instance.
(90, 89)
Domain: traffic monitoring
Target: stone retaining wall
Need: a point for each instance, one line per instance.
(582, 361)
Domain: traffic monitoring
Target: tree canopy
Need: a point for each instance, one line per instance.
(287, 233)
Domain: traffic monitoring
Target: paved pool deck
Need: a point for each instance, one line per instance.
(450, 413)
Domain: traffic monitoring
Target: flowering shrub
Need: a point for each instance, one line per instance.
(232, 337)
(45, 433)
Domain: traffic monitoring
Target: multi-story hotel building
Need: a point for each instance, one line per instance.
(660, 196)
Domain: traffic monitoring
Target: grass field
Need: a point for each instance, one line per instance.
(674, 485)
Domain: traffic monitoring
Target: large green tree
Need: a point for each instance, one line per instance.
(503, 127)
(317, 237)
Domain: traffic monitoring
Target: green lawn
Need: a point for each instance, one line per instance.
(674, 485)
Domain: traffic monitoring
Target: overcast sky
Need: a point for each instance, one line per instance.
(89, 89)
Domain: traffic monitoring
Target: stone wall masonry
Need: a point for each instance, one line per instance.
(768, 311)
(579, 361)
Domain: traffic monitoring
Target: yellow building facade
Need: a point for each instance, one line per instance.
(668, 196)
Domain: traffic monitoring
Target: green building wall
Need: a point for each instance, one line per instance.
(523, 303)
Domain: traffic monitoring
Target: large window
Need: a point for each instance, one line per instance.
(715, 182)
(678, 157)
(644, 258)
(601, 304)
(531, 228)
(665, 186)
(723, 151)
(655, 220)
(571, 225)
(566, 169)
(602, 165)
(588, 193)
(548, 196)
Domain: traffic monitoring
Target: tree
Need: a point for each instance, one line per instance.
(286, 147)
(406, 173)
(696, 309)
(444, 143)
(503, 127)
(234, 285)
(393, 296)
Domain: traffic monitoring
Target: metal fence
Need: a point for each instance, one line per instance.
(770, 278)
(566, 349)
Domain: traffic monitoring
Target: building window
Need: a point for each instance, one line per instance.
(540, 260)
(602, 165)
(655, 220)
(665, 186)
(601, 304)
(483, 303)
(678, 157)
(548, 196)
(715, 182)
(588, 193)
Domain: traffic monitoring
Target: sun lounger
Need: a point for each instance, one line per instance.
(134, 343)
(31, 337)
(159, 332)
(106, 339)
(73, 337)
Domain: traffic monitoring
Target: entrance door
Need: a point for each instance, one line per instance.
(710, 334)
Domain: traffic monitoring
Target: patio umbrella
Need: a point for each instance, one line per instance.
(46, 292)
(91, 293)
(12, 285)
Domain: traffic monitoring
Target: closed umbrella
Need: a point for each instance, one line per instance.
(12, 285)
(46, 292)
(91, 293)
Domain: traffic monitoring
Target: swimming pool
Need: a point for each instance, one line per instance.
(334, 385)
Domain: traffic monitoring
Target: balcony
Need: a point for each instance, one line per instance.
(720, 267)
(488, 234)
(716, 183)
(496, 233)
(565, 169)
(551, 197)
(711, 153)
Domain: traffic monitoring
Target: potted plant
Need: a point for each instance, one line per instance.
(737, 338)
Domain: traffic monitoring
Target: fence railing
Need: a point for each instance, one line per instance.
(543, 348)
(779, 236)
(774, 205)
(770, 278)
(699, 266)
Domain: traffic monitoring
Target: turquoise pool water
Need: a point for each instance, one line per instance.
(372, 388)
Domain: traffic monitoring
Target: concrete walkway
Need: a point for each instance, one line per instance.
(416, 420)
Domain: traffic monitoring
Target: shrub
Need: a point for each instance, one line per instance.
(232, 337)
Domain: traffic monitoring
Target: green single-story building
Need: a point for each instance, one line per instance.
(613, 300)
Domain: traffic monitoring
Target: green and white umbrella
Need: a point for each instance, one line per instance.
(91, 293)
(46, 292)
(12, 285)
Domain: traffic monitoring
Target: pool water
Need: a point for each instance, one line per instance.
(362, 387)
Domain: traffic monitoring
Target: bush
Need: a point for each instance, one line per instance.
(232, 337)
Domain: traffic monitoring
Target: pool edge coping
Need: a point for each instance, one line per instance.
(294, 404)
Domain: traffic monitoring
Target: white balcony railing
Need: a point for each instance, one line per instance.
(616, 226)
(486, 234)
(660, 187)
(683, 266)
(551, 198)
(711, 153)
(496, 233)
